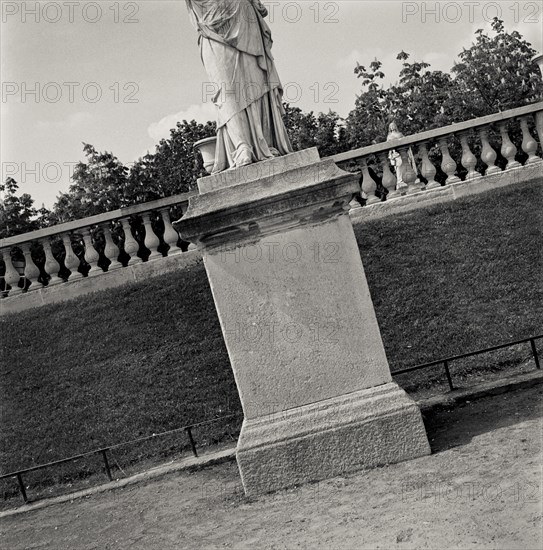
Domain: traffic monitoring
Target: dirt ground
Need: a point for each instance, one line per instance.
(480, 489)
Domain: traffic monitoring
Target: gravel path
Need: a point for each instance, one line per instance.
(480, 489)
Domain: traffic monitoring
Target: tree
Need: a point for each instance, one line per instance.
(143, 183)
(99, 185)
(325, 131)
(367, 122)
(104, 183)
(330, 138)
(424, 96)
(301, 127)
(496, 73)
(17, 213)
(175, 166)
(419, 101)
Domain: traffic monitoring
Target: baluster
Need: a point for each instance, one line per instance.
(32, 272)
(529, 144)
(352, 205)
(91, 255)
(488, 155)
(469, 161)
(508, 149)
(447, 162)
(428, 170)
(408, 174)
(71, 261)
(12, 276)
(111, 251)
(52, 267)
(151, 242)
(368, 185)
(539, 128)
(389, 179)
(184, 208)
(131, 246)
(170, 234)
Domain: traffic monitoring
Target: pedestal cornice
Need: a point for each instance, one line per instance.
(294, 192)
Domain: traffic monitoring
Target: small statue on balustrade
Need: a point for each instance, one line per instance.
(396, 159)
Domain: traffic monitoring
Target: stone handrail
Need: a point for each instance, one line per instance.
(429, 135)
(33, 278)
(405, 180)
(96, 220)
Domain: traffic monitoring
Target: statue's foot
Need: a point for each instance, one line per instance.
(244, 156)
(275, 152)
(244, 160)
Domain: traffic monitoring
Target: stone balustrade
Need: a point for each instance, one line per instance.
(451, 147)
(91, 246)
(445, 159)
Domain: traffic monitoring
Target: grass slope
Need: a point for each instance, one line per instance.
(457, 277)
(147, 358)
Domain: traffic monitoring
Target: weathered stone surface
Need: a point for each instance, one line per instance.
(297, 316)
(258, 171)
(301, 194)
(363, 429)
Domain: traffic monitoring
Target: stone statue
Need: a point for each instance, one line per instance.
(396, 159)
(235, 44)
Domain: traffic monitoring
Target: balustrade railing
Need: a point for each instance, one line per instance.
(91, 246)
(111, 241)
(440, 147)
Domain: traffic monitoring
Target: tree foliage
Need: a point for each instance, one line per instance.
(17, 212)
(103, 183)
(176, 165)
(494, 74)
(421, 100)
(99, 185)
(325, 131)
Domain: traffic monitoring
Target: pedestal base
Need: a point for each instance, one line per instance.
(360, 430)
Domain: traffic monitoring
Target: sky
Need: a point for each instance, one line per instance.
(118, 75)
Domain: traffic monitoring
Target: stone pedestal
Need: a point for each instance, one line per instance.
(299, 324)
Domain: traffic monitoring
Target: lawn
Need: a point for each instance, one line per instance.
(147, 358)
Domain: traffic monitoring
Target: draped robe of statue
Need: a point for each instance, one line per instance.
(396, 159)
(235, 44)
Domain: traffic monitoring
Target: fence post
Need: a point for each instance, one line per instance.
(448, 373)
(534, 352)
(22, 487)
(191, 439)
(106, 464)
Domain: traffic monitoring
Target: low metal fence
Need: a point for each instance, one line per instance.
(189, 429)
(448, 360)
(103, 451)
